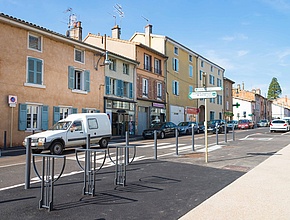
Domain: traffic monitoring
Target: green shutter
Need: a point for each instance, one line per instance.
(74, 110)
(107, 85)
(56, 114)
(130, 90)
(22, 122)
(71, 77)
(44, 117)
(87, 80)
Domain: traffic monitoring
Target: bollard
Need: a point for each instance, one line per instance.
(233, 132)
(217, 134)
(5, 139)
(226, 132)
(155, 144)
(176, 140)
(192, 136)
(28, 164)
(127, 149)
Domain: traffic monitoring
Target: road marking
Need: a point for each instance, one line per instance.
(212, 148)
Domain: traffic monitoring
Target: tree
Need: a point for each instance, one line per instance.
(274, 90)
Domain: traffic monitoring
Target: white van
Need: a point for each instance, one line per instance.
(73, 131)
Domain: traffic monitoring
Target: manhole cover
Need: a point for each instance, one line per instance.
(236, 168)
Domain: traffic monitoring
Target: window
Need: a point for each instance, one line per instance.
(33, 117)
(211, 80)
(34, 42)
(200, 74)
(175, 64)
(201, 63)
(35, 71)
(219, 72)
(79, 55)
(78, 79)
(175, 87)
(157, 66)
(93, 124)
(126, 68)
(176, 50)
(113, 87)
(145, 87)
(147, 62)
(190, 71)
(112, 65)
(219, 82)
(219, 100)
(211, 115)
(190, 89)
(126, 89)
(220, 115)
(62, 112)
(118, 87)
(190, 58)
(211, 68)
(159, 90)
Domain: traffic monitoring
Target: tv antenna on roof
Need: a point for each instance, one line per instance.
(145, 19)
(72, 18)
(114, 16)
(119, 10)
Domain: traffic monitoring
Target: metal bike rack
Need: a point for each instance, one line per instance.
(128, 161)
(47, 178)
(90, 168)
(120, 173)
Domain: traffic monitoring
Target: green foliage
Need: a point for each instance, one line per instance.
(274, 90)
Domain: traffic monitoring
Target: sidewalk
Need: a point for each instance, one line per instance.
(262, 193)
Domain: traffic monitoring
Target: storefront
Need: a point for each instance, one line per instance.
(157, 113)
(122, 116)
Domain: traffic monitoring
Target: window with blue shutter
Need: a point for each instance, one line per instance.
(87, 80)
(74, 110)
(34, 71)
(130, 90)
(22, 121)
(56, 114)
(107, 79)
(71, 77)
(44, 117)
(119, 88)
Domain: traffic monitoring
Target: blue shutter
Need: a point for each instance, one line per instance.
(177, 88)
(22, 122)
(87, 80)
(122, 88)
(44, 117)
(71, 77)
(130, 90)
(74, 110)
(119, 87)
(107, 85)
(56, 114)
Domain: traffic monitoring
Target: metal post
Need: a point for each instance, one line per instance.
(192, 135)
(127, 149)
(217, 133)
(28, 164)
(155, 144)
(205, 130)
(233, 132)
(226, 130)
(176, 140)
(11, 127)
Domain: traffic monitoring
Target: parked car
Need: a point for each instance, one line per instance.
(219, 123)
(163, 130)
(245, 124)
(279, 125)
(186, 127)
(263, 123)
(232, 123)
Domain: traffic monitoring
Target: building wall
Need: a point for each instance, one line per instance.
(228, 98)
(244, 109)
(56, 56)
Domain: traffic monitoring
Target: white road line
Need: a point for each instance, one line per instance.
(212, 148)
(150, 145)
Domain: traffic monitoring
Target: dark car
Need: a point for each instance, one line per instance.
(163, 130)
(263, 123)
(186, 127)
(219, 123)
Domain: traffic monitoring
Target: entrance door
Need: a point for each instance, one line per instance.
(142, 122)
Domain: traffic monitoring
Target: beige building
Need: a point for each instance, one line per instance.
(44, 77)
(149, 81)
(228, 98)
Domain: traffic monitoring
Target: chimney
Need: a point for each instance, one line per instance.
(148, 32)
(116, 32)
(243, 86)
(239, 87)
(76, 31)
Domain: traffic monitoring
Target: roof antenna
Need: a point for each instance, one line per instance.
(147, 20)
(119, 11)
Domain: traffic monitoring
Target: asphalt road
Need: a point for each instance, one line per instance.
(166, 188)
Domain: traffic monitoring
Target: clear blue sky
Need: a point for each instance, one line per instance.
(250, 39)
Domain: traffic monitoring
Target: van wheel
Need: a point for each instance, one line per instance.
(103, 143)
(56, 148)
(36, 151)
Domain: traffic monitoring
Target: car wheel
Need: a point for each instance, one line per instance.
(36, 151)
(56, 148)
(187, 132)
(162, 135)
(103, 143)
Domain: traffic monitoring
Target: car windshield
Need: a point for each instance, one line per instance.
(232, 122)
(214, 122)
(63, 125)
(183, 124)
(278, 122)
(157, 125)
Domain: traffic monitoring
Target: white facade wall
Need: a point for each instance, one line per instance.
(176, 114)
(245, 106)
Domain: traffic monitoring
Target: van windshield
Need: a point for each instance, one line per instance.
(61, 125)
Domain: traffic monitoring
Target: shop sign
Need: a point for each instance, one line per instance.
(192, 110)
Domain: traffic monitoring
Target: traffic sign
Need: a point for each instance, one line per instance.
(208, 89)
(202, 95)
